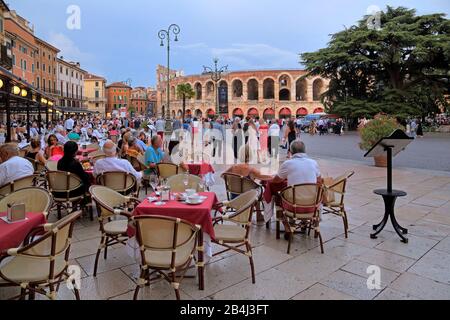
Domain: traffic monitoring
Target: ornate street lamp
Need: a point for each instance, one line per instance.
(216, 76)
(165, 35)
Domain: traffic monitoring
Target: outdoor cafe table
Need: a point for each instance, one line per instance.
(197, 214)
(13, 234)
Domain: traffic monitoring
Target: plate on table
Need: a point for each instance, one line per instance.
(194, 201)
(152, 199)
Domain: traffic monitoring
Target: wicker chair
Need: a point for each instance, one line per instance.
(122, 182)
(236, 185)
(301, 209)
(19, 184)
(40, 170)
(111, 205)
(138, 164)
(95, 156)
(335, 206)
(40, 266)
(35, 199)
(235, 230)
(93, 146)
(167, 248)
(176, 183)
(51, 165)
(62, 185)
(166, 170)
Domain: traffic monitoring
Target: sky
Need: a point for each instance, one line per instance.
(119, 39)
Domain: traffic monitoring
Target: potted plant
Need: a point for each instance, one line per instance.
(376, 129)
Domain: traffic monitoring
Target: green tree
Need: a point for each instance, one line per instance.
(185, 91)
(401, 69)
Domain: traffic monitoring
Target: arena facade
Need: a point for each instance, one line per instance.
(259, 93)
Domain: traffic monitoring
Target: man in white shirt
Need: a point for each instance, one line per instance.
(61, 139)
(111, 163)
(12, 166)
(274, 139)
(68, 125)
(300, 169)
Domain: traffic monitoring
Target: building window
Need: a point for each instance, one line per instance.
(60, 70)
(43, 67)
(25, 65)
(37, 65)
(96, 84)
(97, 94)
(67, 72)
(38, 81)
(49, 85)
(1, 25)
(32, 67)
(49, 69)
(43, 53)
(14, 60)
(97, 105)
(43, 84)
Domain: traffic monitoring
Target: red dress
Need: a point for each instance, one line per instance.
(263, 136)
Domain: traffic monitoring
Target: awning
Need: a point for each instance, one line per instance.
(211, 112)
(74, 110)
(302, 112)
(318, 110)
(285, 112)
(238, 112)
(253, 112)
(269, 112)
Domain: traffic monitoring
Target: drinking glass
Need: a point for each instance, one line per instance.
(186, 181)
(154, 182)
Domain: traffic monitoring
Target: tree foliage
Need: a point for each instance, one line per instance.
(401, 69)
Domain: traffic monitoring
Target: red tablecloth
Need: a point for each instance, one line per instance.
(196, 214)
(200, 169)
(271, 190)
(12, 235)
(58, 157)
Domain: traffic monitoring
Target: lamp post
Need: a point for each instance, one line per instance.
(216, 76)
(165, 35)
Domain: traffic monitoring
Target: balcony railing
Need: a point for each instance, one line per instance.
(96, 99)
(5, 57)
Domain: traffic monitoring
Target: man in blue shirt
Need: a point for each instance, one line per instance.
(154, 155)
(141, 141)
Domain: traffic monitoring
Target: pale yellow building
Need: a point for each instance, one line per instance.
(96, 93)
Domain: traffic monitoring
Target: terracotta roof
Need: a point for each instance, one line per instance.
(93, 77)
(118, 85)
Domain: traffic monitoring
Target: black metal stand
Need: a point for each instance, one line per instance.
(389, 203)
(390, 197)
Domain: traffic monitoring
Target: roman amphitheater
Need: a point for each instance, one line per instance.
(264, 93)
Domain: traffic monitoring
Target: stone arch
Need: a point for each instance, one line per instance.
(173, 114)
(179, 113)
(210, 113)
(210, 90)
(198, 91)
(285, 80)
(253, 112)
(301, 90)
(269, 89)
(269, 114)
(237, 88)
(302, 112)
(198, 113)
(237, 112)
(285, 113)
(252, 89)
(318, 89)
(318, 110)
(285, 94)
(173, 93)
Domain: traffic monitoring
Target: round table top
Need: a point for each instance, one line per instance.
(394, 193)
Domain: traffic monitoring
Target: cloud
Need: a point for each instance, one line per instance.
(69, 50)
(247, 55)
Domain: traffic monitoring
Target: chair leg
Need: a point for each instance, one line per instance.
(321, 243)
(32, 294)
(58, 208)
(76, 292)
(143, 276)
(268, 225)
(106, 249)
(291, 238)
(278, 229)
(102, 242)
(252, 264)
(344, 217)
